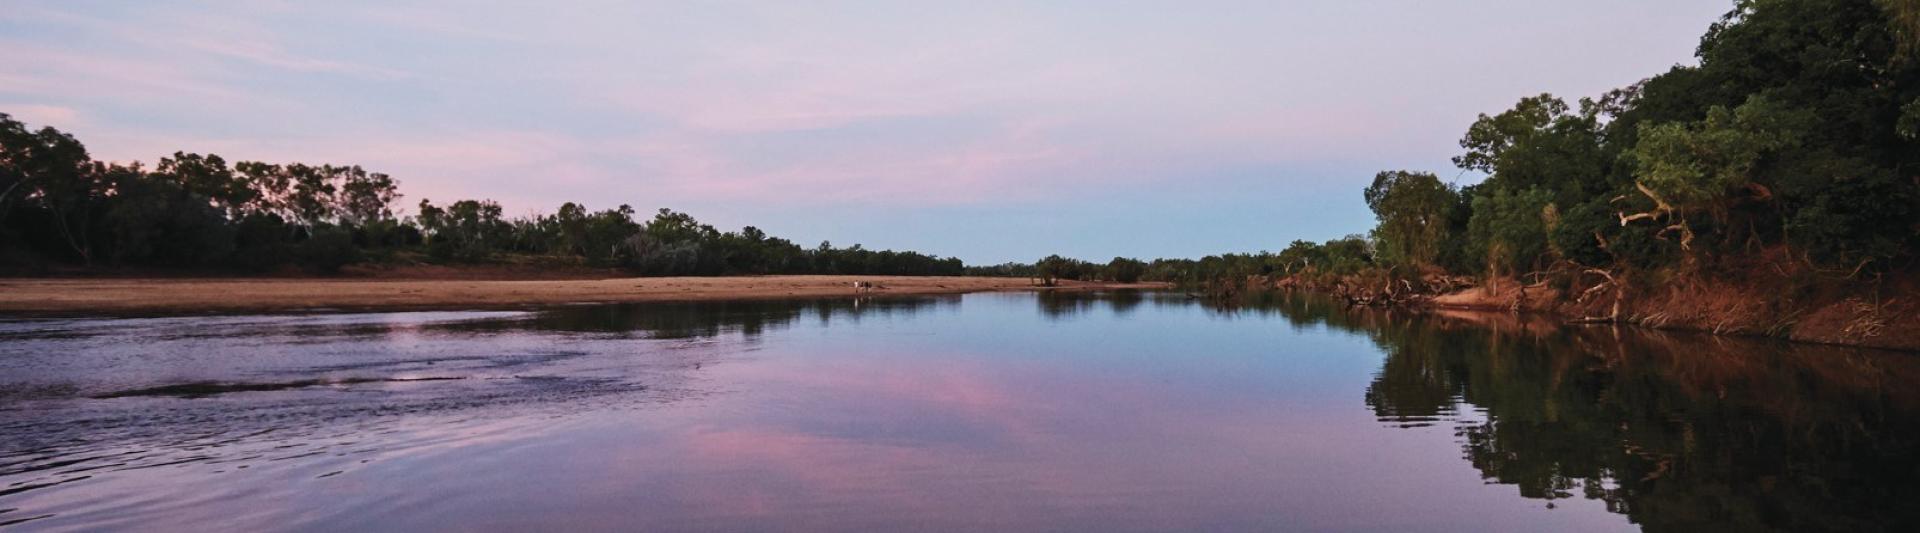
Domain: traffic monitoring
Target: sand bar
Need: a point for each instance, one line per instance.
(129, 296)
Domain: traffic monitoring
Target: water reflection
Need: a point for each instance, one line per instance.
(1066, 305)
(1076, 411)
(125, 403)
(694, 320)
(1679, 432)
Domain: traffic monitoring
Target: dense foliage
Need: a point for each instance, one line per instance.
(58, 206)
(1796, 131)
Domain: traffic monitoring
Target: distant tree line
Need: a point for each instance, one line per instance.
(58, 206)
(670, 244)
(1344, 256)
(1053, 268)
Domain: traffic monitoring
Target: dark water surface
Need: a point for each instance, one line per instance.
(988, 411)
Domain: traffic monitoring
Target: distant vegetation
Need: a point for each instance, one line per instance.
(58, 206)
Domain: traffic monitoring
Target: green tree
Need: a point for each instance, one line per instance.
(1543, 144)
(1693, 168)
(1054, 268)
(158, 221)
(208, 176)
(1412, 208)
(1349, 254)
(1125, 270)
(1509, 229)
(310, 196)
(466, 230)
(1301, 255)
(52, 172)
(363, 197)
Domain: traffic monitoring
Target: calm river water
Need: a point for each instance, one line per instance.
(1109, 412)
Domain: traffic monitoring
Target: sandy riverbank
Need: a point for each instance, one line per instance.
(156, 296)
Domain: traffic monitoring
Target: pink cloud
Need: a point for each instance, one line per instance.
(37, 115)
(55, 71)
(225, 34)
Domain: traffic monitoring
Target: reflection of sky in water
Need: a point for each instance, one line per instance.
(992, 411)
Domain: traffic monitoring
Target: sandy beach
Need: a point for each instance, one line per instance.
(163, 296)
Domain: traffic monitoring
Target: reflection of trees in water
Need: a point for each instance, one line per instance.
(1125, 301)
(680, 320)
(1307, 310)
(1678, 432)
(1056, 305)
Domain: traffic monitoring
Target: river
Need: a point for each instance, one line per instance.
(1003, 411)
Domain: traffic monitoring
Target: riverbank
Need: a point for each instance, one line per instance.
(1887, 318)
(1771, 302)
(124, 296)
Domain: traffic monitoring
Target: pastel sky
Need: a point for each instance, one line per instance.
(991, 131)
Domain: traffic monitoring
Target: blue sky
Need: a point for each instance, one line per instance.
(991, 131)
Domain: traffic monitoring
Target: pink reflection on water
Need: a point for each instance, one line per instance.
(953, 441)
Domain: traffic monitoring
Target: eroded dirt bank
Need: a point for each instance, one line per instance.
(1880, 314)
(1885, 318)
